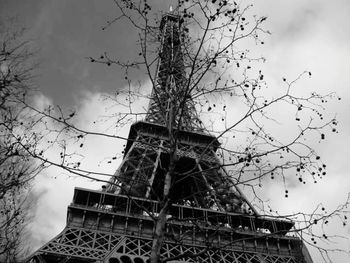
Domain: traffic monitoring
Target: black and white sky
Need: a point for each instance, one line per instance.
(310, 35)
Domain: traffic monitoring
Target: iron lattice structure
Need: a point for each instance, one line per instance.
(209, 221)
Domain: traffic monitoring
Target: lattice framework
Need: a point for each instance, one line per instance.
(92, 245)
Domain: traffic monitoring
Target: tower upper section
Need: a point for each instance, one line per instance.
(171, 96)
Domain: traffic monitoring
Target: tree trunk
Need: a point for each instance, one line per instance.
(159, 234)
(158, 239)
(161, 220)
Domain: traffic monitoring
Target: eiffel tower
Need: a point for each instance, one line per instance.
(209, 219)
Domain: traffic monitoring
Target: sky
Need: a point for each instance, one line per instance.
(310, 35)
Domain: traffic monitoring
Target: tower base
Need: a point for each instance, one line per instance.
(112, 228)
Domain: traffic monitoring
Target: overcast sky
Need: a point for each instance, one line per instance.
(308, 35)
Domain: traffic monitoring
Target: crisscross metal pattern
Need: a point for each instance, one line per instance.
(142, 248)
(82, 243)
(97, 245)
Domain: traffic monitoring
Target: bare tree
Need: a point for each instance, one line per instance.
(17, 168)
(210, 72)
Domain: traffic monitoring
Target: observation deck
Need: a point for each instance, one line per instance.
(134, 217)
